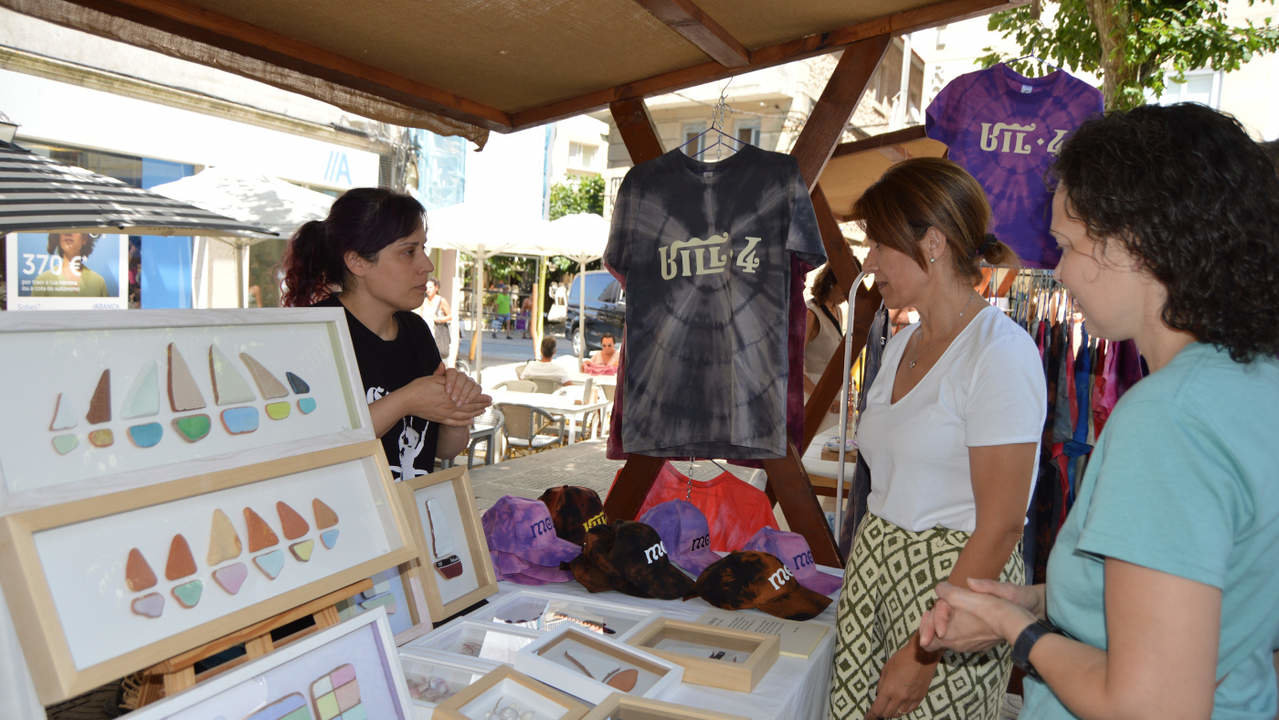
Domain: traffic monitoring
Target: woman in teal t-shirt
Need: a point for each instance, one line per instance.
(1163, 584)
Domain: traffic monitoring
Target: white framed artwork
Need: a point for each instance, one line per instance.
(114, 399)
(350, 670)
(104, 586)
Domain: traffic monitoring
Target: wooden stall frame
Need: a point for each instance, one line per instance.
(30, 598)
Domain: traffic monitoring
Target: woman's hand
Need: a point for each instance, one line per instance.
(976, 619)
(447, 397)
(903, 683)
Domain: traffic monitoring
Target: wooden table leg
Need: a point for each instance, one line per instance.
(789, 482)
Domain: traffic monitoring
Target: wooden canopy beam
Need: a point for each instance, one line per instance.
(700, 29)
(637, 129)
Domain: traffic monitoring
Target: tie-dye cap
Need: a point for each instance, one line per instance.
(684, 532)
(630, 557)
(512, 568)
(752, 579)
(574, 510)
(792, 549)
(523, 528)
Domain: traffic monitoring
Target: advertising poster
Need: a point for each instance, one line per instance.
(66, 271)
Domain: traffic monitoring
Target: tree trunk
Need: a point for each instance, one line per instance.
(1112, 20)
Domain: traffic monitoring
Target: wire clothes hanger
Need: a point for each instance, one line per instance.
(1026, 59)
(719, 114)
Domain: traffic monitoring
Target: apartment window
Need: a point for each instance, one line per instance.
(747, 131)
(1201, 86)
(581, 155)
(693, 141)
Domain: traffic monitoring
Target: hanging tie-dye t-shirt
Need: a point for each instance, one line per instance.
(1006, 130)
(704, 251)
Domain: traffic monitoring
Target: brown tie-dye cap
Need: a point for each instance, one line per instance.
(629, 557)
(574, 510)
(745, 580)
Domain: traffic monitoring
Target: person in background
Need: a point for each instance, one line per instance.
(71, 278)
(824, 334)
(368, 257)
(502, 310)
(437, 312)
(951, 435)
(526, 313)
(604, 358)
(1162, 584)
(543, 367)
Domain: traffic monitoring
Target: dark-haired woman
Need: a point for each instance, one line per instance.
(1163, 584)
(951, 434)
(368, 256)
(825, 331)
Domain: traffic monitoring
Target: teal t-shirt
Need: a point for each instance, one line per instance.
(1184, 480)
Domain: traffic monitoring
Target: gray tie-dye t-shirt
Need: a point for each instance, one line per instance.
(704, 251)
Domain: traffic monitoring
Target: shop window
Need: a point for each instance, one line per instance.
(1201, 86)
(747, 131)
(692, 139)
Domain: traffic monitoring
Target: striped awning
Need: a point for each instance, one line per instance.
(41, 195)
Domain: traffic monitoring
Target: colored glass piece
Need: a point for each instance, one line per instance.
(290, 707)
(324, 515)
(240, 420)
(138, 574)
(181, 563)
(298, 384)
(231, 577)
(224, 543)
(329, 538)
(143, 398)
(188, 594)
(184, 394)
(291, 522)
(100, 403)
(63, 444)
(63, 414)
(192, 427)
(302, 550)
(267, 383)
(270, 563)
(229, 387)
(277, 410)
(145, 436)
(260, 534)
(306, 405)
(151, 605)
(101, 438)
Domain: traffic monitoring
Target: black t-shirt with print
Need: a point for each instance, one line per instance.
(387, 366)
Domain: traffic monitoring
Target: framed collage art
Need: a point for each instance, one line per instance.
(586, 665)
(104, 586)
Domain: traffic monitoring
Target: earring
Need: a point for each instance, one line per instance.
(932, 260)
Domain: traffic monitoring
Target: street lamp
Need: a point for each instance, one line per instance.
(8, 129)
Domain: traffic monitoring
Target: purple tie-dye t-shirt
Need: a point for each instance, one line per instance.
(704, 251)
(1006, 130)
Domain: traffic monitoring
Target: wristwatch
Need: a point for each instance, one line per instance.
(1026, 640)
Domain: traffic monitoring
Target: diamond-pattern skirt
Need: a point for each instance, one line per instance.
(888, 585)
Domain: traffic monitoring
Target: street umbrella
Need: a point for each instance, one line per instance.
(40, 195)
(580, 237)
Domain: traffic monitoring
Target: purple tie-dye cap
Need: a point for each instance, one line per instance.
(685, 534)
(514, 569)
(523, 528)
(792, 549)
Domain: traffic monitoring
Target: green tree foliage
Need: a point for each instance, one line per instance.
(579, 195)
(1133, 44)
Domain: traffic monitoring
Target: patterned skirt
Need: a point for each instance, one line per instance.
(888, 585)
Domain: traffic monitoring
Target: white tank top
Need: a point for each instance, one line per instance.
(818, 352)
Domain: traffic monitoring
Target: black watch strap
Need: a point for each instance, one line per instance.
(1026, 640)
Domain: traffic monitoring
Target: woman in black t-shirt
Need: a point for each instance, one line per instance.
(368, 256)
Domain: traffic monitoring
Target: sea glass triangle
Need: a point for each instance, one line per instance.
(63, 414)
(229, 386)
(329, 538)
(151, 605)
(181, 563)
(302, 550)
(138, 574)
(100, 403)
(260, 534)
(224, 543)
(188, 594)
(184, 394)
(231, 577)
(291, 522)
(143, 398)
(270, 563)
(324, 515)
(192, 427)
(298, 384)
(267, 383)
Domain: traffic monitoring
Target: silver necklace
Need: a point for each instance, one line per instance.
(920, 349)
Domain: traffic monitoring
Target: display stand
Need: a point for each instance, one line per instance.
(178, 672)
(787, 480)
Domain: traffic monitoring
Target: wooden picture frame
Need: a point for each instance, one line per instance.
(432, 679)
(168, 393)
(84, 579)
(620, 706)
(351, 666)
(454, 570)
(547, 611)
(467, 638)
(712, 656)
(506, 685)
(587, 666)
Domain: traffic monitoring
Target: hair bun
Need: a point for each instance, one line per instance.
(988, 242)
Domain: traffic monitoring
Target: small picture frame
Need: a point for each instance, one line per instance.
(454, 570)
(620, 706)
(506, 688)
(432, 679)
(712, 656)
(348, 670)
(587, 666)
(475, 639)
(548, 612)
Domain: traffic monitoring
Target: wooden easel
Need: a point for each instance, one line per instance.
(178, 672)
(788, 482)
